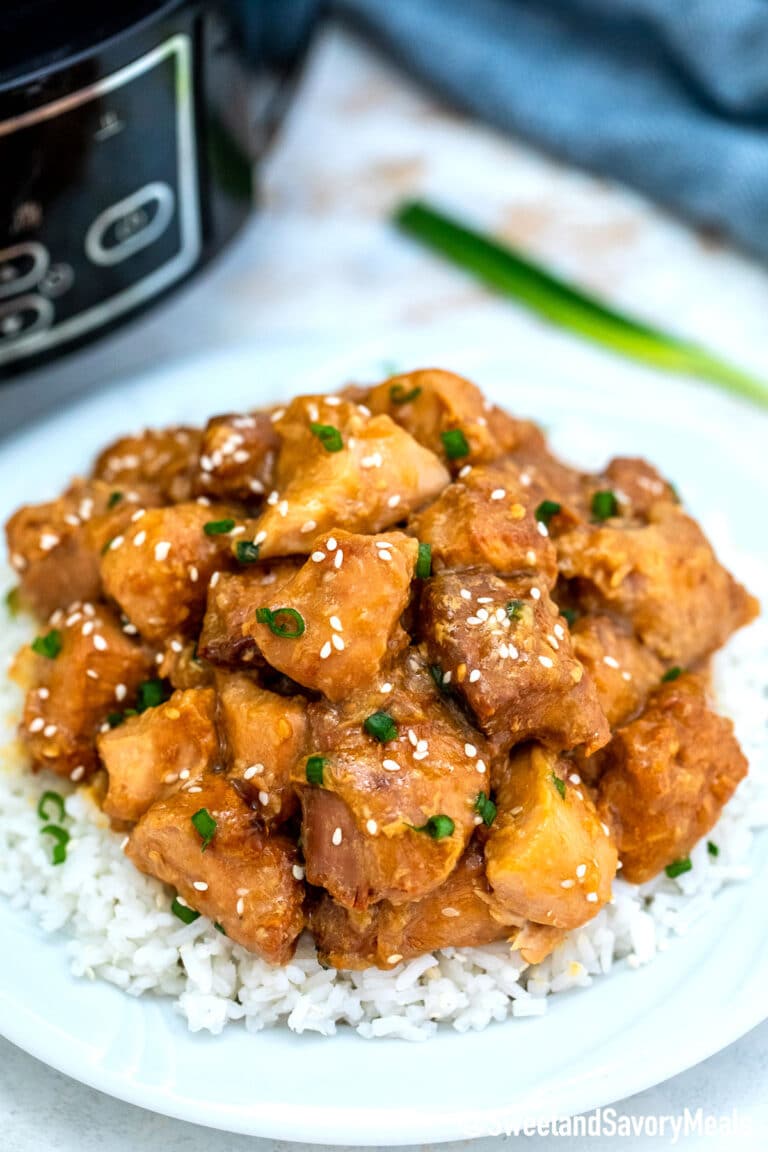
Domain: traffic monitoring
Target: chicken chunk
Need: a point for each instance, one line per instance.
(336, 622)
(548, 858)
(663, 576)
(149, 756)
(183, 666)
(623, 671)
(237, 457)
(95, 669)
(245, 879)
(503, 648)
(431, 403)
(371, 829)
(227, 636)
(359, 473)
(667, 776)
(264, 736)
(164, 459)
(488, 517)
(56, 547)
(158, 572)
(636, 485)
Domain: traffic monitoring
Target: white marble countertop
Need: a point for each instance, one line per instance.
(321, 265)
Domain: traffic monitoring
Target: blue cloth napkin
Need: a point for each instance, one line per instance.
(669, 96)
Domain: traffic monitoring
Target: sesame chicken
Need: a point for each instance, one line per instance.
(237, 458)
(165, 460)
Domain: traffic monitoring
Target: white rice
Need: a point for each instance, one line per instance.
(120, 927)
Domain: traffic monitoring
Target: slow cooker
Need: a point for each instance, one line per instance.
(128, 136)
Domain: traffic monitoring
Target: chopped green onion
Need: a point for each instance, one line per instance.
(150, 694)
(671, 674)
(50, 798)
(712, 848)
(559, 784)
(515, 609)
(570, 615)
(12, 601)
(114, 498)
(205, 825)
(247, 552)
(61, 836)
(546, 510)
(269, 617)
(424, 562)
(398, 394)
(567, 306)
(48, 645)
(455, 443)
(678, 867)
(604, 505)
(329, 437)
(220, 928)
(218, 527)
(438, 676)
(437, 827)
(486, 809)
(115, 719)
(314, 770)
(106, 547)
(186, 914)
(381, 726)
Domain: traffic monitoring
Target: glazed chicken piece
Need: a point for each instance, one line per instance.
(431, 403)
(488, 517)
(164, 459)
(667, 776)
(149, 756)
(374, 824)
(548, 857)
(96, 669)
(663, 576)
(183, 666)
(354, 472)
(228, 636)
(622, 670)
(264, 736)
(237, 457)
(503, 648)
(244, 879)
(158, 572)
(56, 547)
(336, 621)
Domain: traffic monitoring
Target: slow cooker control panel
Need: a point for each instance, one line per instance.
(99, 202)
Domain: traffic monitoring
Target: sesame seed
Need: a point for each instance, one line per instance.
(395, 958)
(336, 838)
(559, 631)
(184, 774)
(124, 843)
(170, 778)
(121, 692)
(277, 415)
(450, 912)
(482, 614)
(241, 456)
(282, 508)
(337, 642)
(88, 627)
(334, 401)
(331, 543)
(605, 828)
(611, 661)
(37, 724)
(215, 579)
(567, 883)
(200, 886)
(626, 676)
(240, 906)
(481, 767)
(470, 750)
(309, 526)
(592, 897)
(372, 827)
(447, 676)
(530, 557)
(335, 623)
(92, 673)
(193, 573)
(421, 754)
(43, 693)
(73, 521)
(413, 737)
(484, 600)
(100, 643)
(575, 778)
(390, 765)
(176, 646)
(73, 619)
(465, 594)
(498, 494)
(535, 594)
(116, 543)
(422, 746)
(474, 676)
(194, 788)
(252, 771)
(48, 540)
(581, 871)
(473, 621)
(372, 461)
(264, 799)
(387, 687)
(318, 557)
(18, 562)
(542, 528)
(298, 872)
(546, 662)
(50, 730)
(393, 500)
(139, 539)
(260, 537)
(465, 471)
(338, 559)
(162, 548)
(325, 651)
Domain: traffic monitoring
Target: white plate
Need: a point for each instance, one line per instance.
(630, 1030)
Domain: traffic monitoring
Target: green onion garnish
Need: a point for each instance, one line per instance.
(329, 437)
(712, 848)
(671, 674)
(515, 609)
(46, 799)
(115, 719)
(486, 809)
(424, 562)
(604, 505)
(570, 615)
(559, 784)
(186, 914)
(314, 770)
(437, 827)
(218, 527)
(205, 825)
(567, 306)
(114, 498)
(246, 551)
(438, 676)
(106, 547)
(48, 645)
(220, 928)
(150, 694)
(678, 867)
(381, 726)
(269, 617)
(13, 601)
(398, 394)
(546, 510)
(455, 443)
(61, 836)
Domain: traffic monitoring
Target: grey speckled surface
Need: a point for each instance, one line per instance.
(320, 263)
